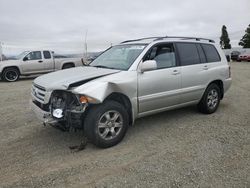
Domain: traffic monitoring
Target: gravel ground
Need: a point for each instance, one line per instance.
(180, 148)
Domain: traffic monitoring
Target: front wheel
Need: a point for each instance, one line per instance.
(210, 100)
(106, 124)
(10, 74)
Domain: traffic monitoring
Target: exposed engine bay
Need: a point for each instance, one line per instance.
(66, 109)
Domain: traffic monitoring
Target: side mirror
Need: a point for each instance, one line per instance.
(148, 65)
(25, 59)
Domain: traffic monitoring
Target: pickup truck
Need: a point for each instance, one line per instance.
(35, 62)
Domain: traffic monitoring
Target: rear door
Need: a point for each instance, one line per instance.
(194, 77)
(159, 89)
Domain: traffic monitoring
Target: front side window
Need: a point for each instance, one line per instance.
(211, 53)
(163, 54)
(119, 57)
(188, 53)
(34, 55)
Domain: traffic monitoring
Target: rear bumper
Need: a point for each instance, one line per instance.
(227, 84)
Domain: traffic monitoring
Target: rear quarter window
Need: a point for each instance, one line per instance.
(46, 55)
(211, 53)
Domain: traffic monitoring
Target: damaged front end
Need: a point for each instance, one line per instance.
(65, 110)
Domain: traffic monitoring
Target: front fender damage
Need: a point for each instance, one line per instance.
(102, 89)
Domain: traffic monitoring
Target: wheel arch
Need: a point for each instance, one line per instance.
(68, 63)
(220, 84)
(123, 100)
(16, 67)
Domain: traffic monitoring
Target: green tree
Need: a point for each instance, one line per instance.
(224, 39)
(245, 41)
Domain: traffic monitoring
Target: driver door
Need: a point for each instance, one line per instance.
(33, 63)
(159, 89)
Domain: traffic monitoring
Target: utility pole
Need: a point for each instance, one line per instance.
(85, 45)
(1, 51)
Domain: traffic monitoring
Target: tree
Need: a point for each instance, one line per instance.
(245, 41)
(224, 39)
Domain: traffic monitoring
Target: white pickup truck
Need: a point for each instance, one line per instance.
(35, 62)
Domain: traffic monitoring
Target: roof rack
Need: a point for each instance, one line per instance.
(186, 38)
(134, 40)
(176, 37)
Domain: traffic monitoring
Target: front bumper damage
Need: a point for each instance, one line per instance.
(63, 112)
(43, 116)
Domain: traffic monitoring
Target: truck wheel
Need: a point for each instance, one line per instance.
(210, 100)
(10, 74)
(68, 65)
(106, 124)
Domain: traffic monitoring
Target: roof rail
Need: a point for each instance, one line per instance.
(161, 38)
(186, 38)
(134, 40)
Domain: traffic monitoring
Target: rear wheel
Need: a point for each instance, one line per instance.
(210, 100)
(106, 124)
(10, 74)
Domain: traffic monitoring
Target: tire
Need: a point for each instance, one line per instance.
(105, 130)
(68, 65)
(10, 74)
(210, 100)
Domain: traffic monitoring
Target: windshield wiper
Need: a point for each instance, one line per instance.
(103, 66)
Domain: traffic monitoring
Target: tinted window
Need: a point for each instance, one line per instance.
(46, 55)
(163, 55)
(188, 53)
(211, 53)
(34, 55)
(201, 54)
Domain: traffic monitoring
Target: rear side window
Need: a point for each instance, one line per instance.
(188, 53)
(211, 53)
(46, 55)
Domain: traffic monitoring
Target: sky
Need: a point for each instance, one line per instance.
(61, 25)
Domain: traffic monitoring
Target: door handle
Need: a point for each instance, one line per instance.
(40, 61)
(175, 72)
(205, 67)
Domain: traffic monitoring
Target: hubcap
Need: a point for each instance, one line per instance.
(110, 125)
(11, 75)
(212, 99)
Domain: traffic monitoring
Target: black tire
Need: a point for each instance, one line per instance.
(92, 123)
(10, 74)
(68, 65)
(208, 103)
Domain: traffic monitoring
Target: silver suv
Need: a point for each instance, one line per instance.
(130, 80)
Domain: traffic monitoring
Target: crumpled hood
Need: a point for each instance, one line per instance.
(64, 78)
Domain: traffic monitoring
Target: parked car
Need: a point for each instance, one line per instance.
(235, 55)
(131, 80)
(35, 62)
(244, 57)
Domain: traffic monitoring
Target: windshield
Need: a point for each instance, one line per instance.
(22, 55)
(119, 57)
